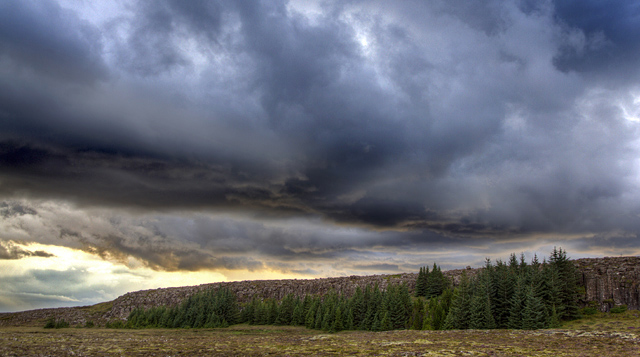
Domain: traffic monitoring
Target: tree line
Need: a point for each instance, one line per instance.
(515, 295)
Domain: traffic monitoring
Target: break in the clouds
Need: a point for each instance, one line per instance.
(317, 138)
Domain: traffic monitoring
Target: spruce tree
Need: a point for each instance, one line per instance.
(458, 316)
(272, 312)
(504, 280)
(285, 310)
(417, 315)
(358, 308)
(480, 311)
(319, 317)
(310, 318)
(438, 315)
(518, 301)
(421, 282)
(386, 323)
(567, 274)
(338, 320)
(534, 315)
(297, 319)
(437, 282)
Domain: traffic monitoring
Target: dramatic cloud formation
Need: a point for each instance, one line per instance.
(314, 138)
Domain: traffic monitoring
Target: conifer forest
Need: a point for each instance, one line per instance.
(506, 295)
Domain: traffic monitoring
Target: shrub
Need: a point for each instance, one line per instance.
(618, 309)
(589, 311)
(53, 323)
(89, 324)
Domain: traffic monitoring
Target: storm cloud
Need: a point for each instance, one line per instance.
(282, 134)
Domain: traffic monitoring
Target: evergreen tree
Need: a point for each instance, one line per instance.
(533, 315)
(417, 315)
(458, 316)
(338, 320)
(554, 318)
(272, 312)
(327, 319)
(358, 308)
(518, 301)
(306, 304)
(285, 310)
(422, 282)
(310, 318)
(504, 280)
(438, 315)
(480, 312)
(567, 274)
(437, 282)
(513, 264)
(319, 317)
(385, 323)
(297, 318)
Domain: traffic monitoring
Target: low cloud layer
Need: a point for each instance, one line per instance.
(319, 137)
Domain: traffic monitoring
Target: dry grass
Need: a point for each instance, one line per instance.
(599, 335)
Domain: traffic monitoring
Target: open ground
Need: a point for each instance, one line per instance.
(599, 335)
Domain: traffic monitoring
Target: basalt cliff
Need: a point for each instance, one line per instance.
(605, 282)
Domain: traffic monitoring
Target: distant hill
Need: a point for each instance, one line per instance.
(607, 281)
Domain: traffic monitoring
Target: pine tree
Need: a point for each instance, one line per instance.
(310, 318)
(338, 320)
(417, 315)
(319, 317)
(567, 275)
(272, 311)
(504, 280)
(480, 312)
(458, 316)
(297, 318)
(421, 282)
(358, 308)
(437, 282)
(513, 264)
(518, 301)
(438, 315)
(385, 323)
(533, 315)
(554, 318)
(285, 310)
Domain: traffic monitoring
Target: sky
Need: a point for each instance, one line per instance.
(148, 144)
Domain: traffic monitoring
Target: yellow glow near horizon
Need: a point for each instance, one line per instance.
(134, 273)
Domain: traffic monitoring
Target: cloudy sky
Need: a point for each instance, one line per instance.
(166, 143)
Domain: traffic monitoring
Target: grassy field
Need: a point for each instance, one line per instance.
(598, 335)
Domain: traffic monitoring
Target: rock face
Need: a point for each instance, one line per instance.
(607, 282)
(261, 289)
(610, 281)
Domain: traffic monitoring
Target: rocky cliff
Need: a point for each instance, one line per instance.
(607, 282)
(610, 281)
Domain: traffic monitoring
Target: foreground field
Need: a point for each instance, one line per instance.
(244, 340)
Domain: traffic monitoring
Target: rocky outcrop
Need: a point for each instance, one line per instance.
(607, 282)
(261, 289)
(610, 281)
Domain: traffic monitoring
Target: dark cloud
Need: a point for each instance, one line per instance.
(9, 250)
(11, 209)
(377, 267)
(49, 40)
(606, 37)
(414, 124)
